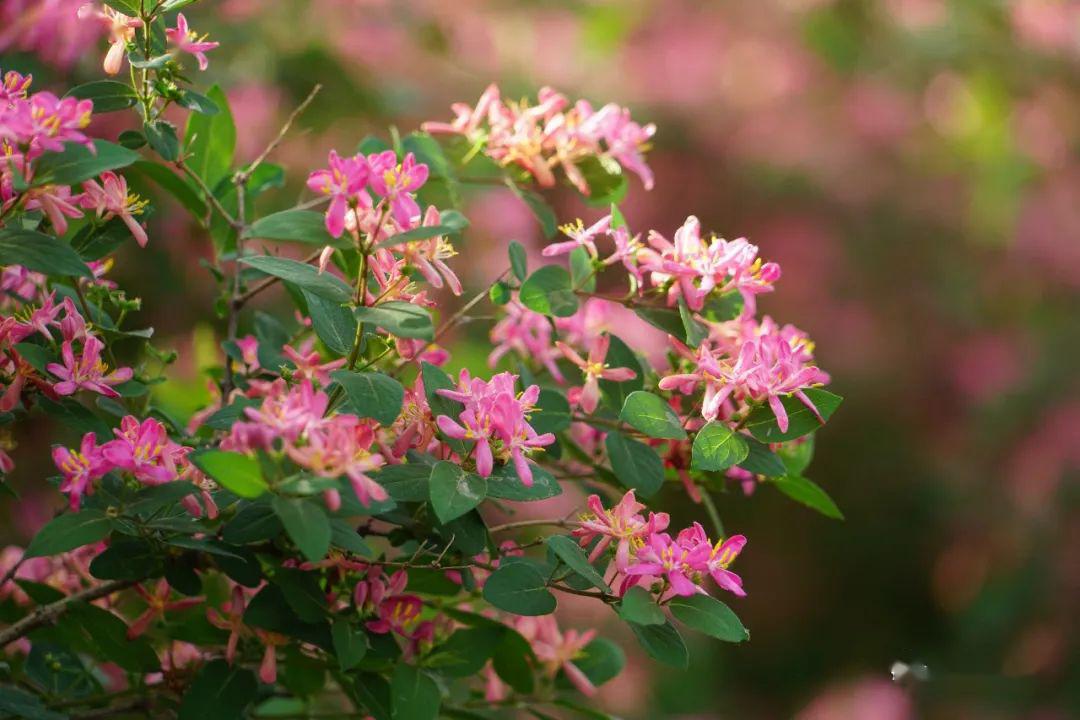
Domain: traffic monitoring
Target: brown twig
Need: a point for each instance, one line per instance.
(48, 614)
(244, 175)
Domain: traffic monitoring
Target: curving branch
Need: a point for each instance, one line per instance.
(48, 614)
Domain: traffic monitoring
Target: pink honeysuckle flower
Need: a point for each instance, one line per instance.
(695, 267)
(188, 41)
(56, 202)
(80, 469)
(495, 417)
(73, 326)
(720, 557)
(157, 604)
(40, 319)
(468, 119)
(271, 642)
(719, 376)
(396, 183)
(775, 369)
(623, 524)
(14, 87)
(526, 333)
(557, 650)
(343, 182)
(340, 446)
(87, 372)
(308, 363)
(121, 32)
(230, 617)
(249, 352)
(580, 236)
(678, 565)
(627, 141)
(403, 615)
(111, 199)
(428, 256)
(595, 370)
(45, 122)
(289, 413)
(143, 449)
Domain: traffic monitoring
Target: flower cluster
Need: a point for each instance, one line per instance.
(496, 417)
(646, 555)
(552, 134)
(141, 449)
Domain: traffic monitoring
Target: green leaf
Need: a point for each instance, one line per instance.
(606, 181)
(663, 643)
(210, 140)
(156, 497)
(454, 491)
(108, 95)
(220, 692)
(717, 448)
(499, 293)
(69, 531)
(237, 473)
(40, 252)
(651, 415)
(801, 420)
(162, 138)
(708, 615)
(520, 589)
(552, 413)
(540, 209)
(451, 222)
(504, 484)
(306, 523)
(333, 323)
(694, 330)
(302, 226)
(519, 264)
(303, 276)
(809, 494)
(398, 318)
(637, 606)
(760, 460)
(255, 522)
(20, 704)
(413, 694)
(350, 644)
(571, 553)
(795, 456)
(406, 482)
(108, 634)
(77, 163)
(371, 394)
(548, 291)
(601, 661)
(582, 275)
(302, 593)
(197, 102)
(635, 464)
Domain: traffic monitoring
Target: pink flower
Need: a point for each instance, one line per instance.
(308, 365)
(289, 413)
(57, 204)
(249, 352)
(595, 370)
(622, 524)
(143, 449)
(80, 468)
(343, 182)
(188, 41)
(230, 617)
(121, 32)
(428, 256)
(557, 650)
(339, 446)
(526, 333)
(271, 642)
(661, 557)
(695, 268)
(46, 122)
(396, 183)
(87, 372)
(580, 236)
(111, 199)
(157, 604)
(14, 87)
(496, 419)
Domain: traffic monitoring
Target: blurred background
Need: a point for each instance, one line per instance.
(913, 166)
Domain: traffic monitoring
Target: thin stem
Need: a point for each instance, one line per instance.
(714, 514)
(48, 614)
(210, 197)
(456, 317)
(563, 523)
(245, 174)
